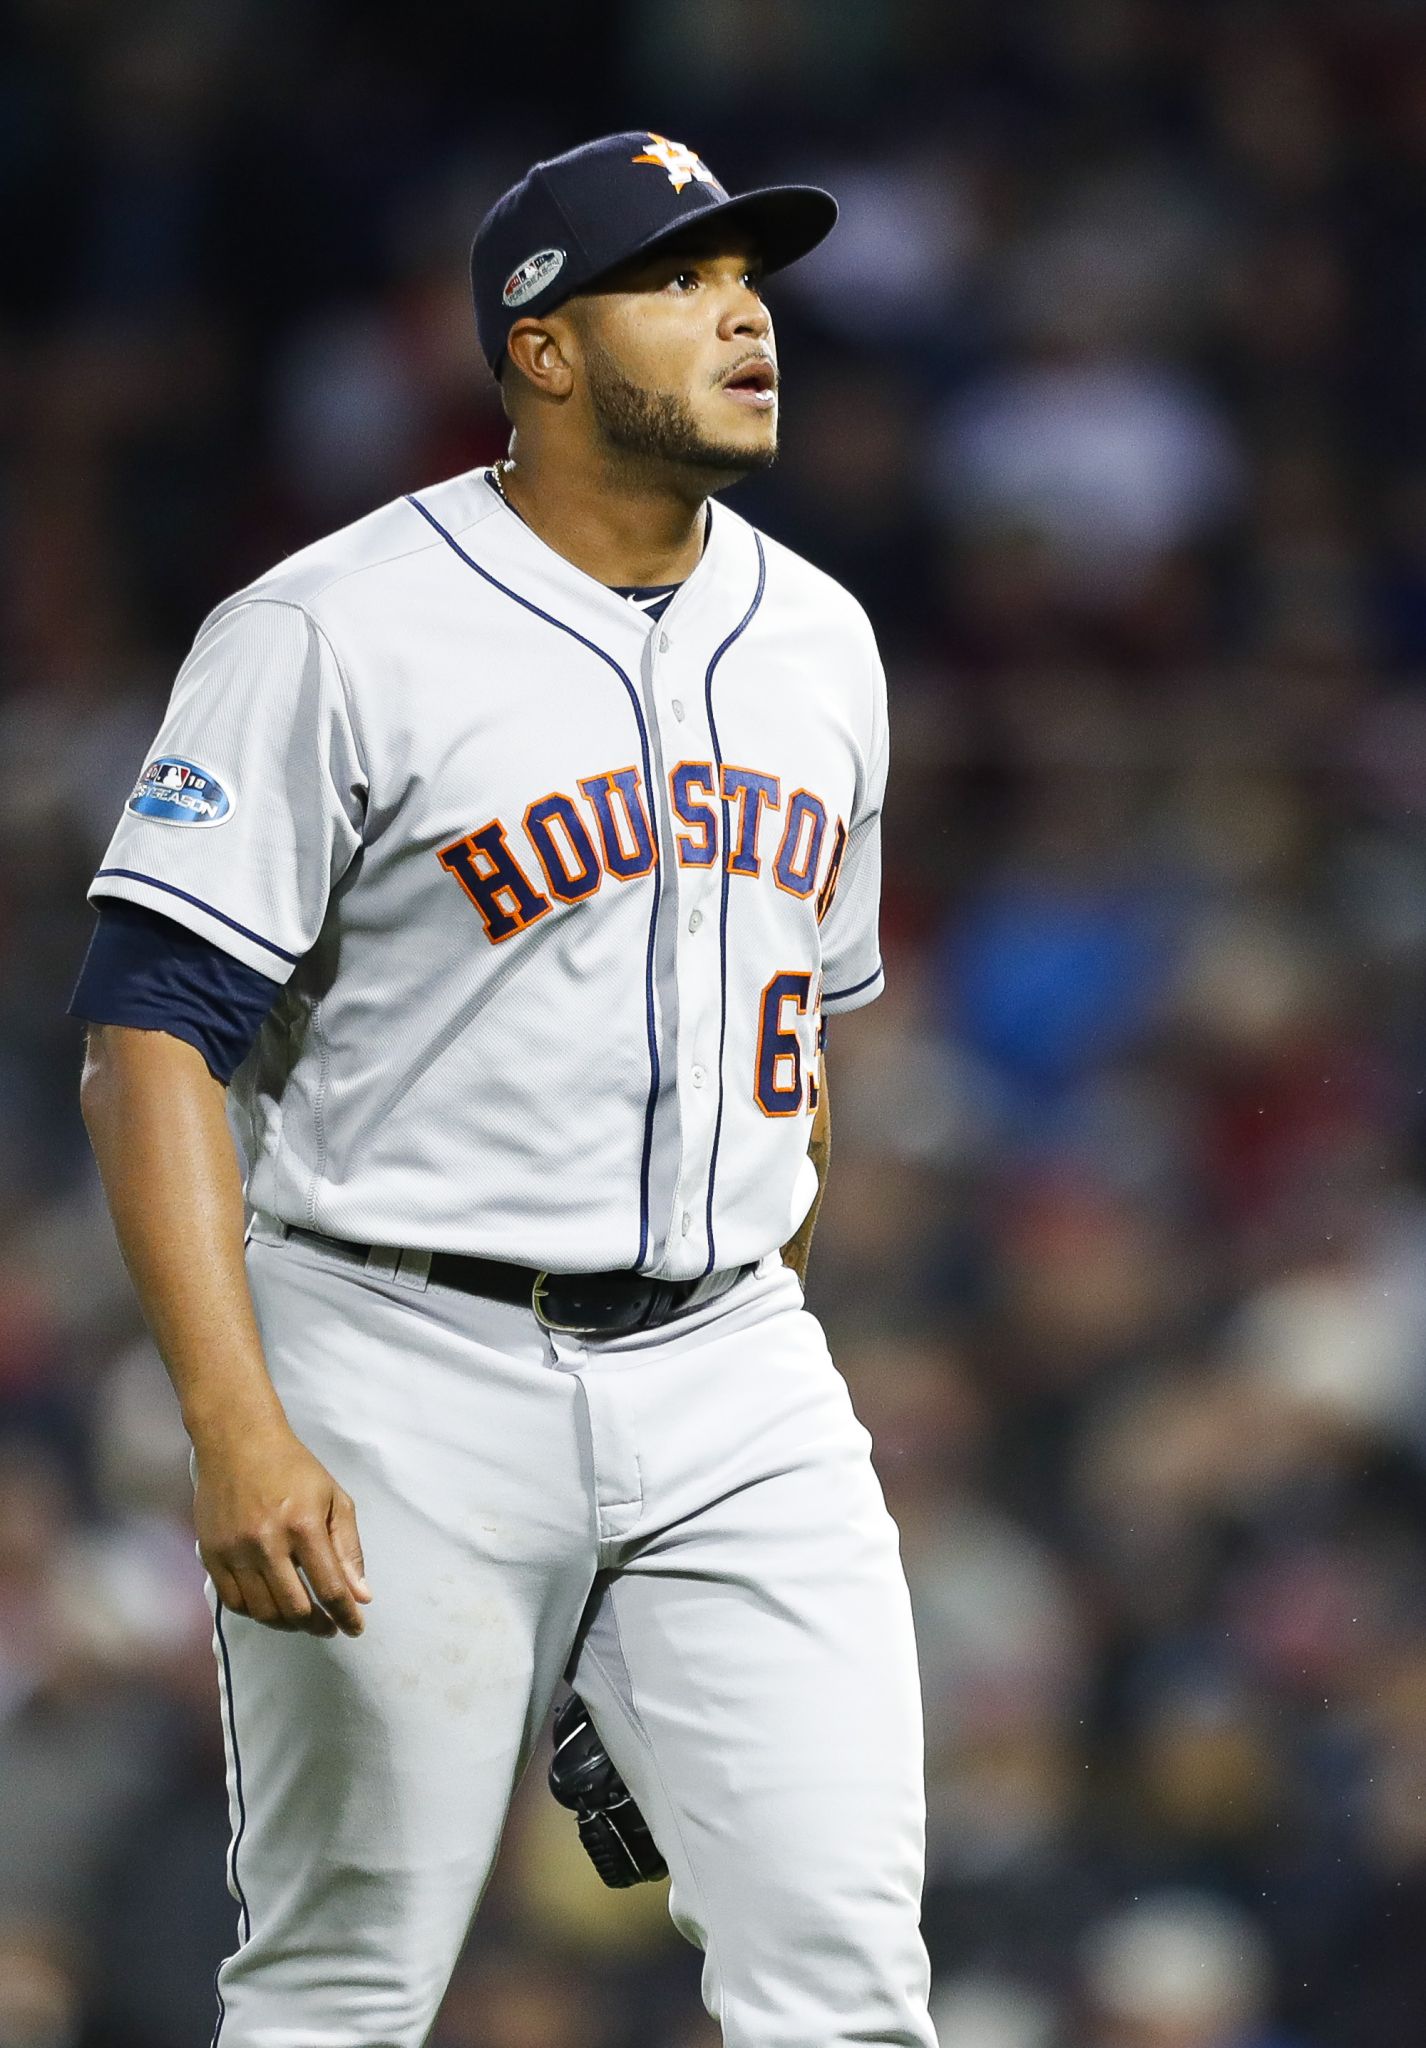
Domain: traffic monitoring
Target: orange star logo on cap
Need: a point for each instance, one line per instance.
(681, 162)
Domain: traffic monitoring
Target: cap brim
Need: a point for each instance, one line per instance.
(783, 222)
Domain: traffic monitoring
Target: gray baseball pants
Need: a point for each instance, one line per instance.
(687, 1526)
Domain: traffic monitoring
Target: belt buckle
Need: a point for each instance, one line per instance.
(619, 1304)
(537, 1303)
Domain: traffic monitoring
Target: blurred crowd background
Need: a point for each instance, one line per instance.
(1107, 400)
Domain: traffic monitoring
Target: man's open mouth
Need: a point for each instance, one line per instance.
(753, 383)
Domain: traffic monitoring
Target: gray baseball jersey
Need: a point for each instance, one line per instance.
(555, 896)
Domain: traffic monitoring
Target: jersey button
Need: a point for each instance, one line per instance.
(687, 1223)
(698, 1077)
(695, 919)
(678, 709)
(663, 643)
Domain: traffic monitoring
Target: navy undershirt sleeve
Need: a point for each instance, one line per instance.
(144, 970)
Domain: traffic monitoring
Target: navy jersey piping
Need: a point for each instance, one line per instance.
(718, 654)
(245, 1925)
(133, 875)
(837, 995)
(594, 648)
(241, 1829)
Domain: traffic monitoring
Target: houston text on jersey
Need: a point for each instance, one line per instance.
(574, 857)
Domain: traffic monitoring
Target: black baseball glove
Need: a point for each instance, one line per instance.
(611, 1826)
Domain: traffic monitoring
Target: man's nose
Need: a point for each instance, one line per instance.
(746, 315)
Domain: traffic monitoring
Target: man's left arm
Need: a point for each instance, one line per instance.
(795, 1251)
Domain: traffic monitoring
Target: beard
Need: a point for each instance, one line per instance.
(659, 427)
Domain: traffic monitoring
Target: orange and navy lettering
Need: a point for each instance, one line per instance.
(563, 848)
(687, 777)
(834, 872)
(777, 1074)
(494, 881)
(795, 868)
(613, 834)
(819, 1046)
(625, 834)
(749, 790)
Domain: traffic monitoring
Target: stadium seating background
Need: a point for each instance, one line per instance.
(1107, 401)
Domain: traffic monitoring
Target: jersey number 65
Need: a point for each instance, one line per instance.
(783, 1078)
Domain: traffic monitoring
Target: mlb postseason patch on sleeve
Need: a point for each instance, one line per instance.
(179, 792)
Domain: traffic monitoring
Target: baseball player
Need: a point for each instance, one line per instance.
(504, 852)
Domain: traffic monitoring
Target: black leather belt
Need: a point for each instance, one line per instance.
(572, 1304)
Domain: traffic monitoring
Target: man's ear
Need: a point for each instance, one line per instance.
(540, 351)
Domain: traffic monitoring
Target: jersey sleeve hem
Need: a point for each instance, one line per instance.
(172, 1027)
(837, 1000)
(264, 955)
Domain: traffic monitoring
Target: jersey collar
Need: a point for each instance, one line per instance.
(717, 589)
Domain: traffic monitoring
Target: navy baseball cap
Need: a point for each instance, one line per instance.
(575, 217)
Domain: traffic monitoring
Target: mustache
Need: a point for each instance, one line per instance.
(755, 358)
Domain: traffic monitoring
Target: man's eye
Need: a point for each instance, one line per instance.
(689, 280)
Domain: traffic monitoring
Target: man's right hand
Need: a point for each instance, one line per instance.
(267, 1513)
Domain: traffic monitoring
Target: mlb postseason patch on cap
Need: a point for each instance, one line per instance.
(179, 792)
(532, 276)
